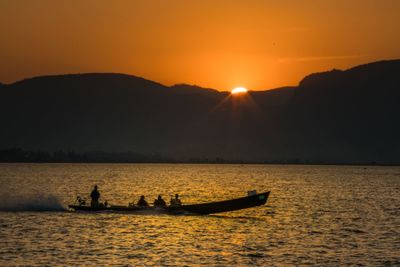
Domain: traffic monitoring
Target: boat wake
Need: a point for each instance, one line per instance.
(32, 202)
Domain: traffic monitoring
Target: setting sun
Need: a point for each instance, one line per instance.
(238, 90)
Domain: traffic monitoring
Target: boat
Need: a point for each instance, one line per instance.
(252, 200)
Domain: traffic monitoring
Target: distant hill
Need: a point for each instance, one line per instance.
(349, 116)
(352, 114)
(192, 89)
(274, 97)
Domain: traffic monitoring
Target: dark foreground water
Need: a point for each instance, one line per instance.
(316, 215)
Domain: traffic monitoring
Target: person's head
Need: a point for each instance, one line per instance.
(159, 197)
(141, 197)
(176, 196)
(95, 187)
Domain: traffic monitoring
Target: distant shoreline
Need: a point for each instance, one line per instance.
(205, 163)
(18, 155)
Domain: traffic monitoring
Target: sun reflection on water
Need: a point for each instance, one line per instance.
(316, 215)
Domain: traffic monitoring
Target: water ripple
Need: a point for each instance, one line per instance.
(316, 215)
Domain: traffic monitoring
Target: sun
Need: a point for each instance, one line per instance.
(238, 90)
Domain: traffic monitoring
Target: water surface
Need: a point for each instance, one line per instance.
(316, 215)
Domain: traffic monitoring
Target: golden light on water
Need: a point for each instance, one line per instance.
(238, 90)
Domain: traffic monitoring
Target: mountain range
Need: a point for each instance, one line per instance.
(344, 117)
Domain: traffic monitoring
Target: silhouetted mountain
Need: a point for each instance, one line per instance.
(274, 97)
(99, 112)
(338, 116)
(192, 89)
(353, 114)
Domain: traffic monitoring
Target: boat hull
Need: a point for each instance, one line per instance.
(203, 209)
(228, 205)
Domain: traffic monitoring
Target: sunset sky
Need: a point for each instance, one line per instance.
(218, 44)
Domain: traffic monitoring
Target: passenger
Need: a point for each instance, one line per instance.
(95, 195)
(81, 201)
(159, 202)
(142, 202)
(175, 202)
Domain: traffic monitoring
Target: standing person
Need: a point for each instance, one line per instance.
(95, 195)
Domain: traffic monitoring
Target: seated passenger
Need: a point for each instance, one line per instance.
(159, 202)
(81, 201)
(142, 202)
(175, 202)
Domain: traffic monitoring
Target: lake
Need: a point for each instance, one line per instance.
(315, 215)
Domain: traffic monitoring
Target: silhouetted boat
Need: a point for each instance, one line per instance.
(228, 205)
(204, 208)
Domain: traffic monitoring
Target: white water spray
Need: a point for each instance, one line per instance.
(30, 202)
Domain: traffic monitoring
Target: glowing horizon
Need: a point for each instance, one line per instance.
(238, 90)
(196, 42)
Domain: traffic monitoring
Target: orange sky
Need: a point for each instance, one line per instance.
(218, 44)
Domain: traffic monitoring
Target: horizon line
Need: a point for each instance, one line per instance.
(183, 83)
